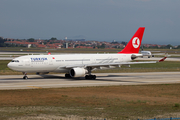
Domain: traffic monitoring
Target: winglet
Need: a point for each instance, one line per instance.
(161, 60)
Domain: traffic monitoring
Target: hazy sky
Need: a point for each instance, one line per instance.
(103, 20)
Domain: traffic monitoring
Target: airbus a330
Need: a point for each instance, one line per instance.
(80, 65)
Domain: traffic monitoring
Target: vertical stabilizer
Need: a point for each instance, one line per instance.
(135, 42)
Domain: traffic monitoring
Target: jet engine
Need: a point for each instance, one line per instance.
(77, 72)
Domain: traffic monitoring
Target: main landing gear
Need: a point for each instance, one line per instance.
(90, 76)
(67, 75)
(25, 76)
(86, 77)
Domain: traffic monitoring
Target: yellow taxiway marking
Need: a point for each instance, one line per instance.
(35, 87)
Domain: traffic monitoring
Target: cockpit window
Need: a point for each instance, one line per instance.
(15, 61)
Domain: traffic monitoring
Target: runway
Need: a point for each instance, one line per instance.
(8, 82)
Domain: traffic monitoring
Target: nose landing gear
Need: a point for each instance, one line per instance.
(25, 76)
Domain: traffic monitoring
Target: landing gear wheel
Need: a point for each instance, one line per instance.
(87, 77)
(67, 76)
(94, 77)
(25, 77)
(91, 77)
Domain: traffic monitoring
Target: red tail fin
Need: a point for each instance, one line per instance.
(135, 42)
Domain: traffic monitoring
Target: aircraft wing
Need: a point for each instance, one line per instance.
(112, 64)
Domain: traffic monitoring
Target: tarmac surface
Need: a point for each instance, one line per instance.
(8, 82)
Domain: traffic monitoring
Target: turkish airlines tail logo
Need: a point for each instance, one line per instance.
(135, 42)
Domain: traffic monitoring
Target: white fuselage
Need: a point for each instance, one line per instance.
(59, 63)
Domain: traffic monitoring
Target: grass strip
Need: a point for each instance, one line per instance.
(112, 102)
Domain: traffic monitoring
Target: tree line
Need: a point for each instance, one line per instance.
(2, 44)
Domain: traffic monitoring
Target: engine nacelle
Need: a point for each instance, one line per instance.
(77, 72)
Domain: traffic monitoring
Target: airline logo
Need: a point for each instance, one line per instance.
(38, 59)
(136, 42)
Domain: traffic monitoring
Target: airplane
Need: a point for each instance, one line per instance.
(147, 53)
(80, 65)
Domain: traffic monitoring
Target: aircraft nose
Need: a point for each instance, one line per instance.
(11, 66)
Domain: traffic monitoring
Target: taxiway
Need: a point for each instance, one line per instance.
(103, 79)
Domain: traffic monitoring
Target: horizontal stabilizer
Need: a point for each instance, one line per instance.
(161, 60)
